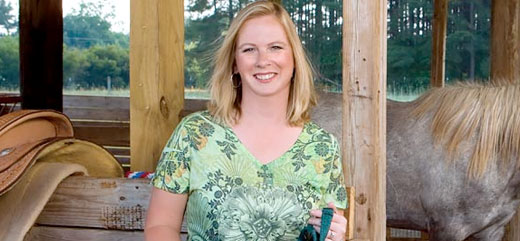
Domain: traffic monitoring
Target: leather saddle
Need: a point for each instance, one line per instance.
(27, 136)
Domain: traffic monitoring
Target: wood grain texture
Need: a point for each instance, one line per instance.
(350, 213)
(105, 135)
(105, 102)
(109, 203)
(41, 54)
(364, 113)
(156, 77)
(440, 20)
(505, 65)
(513, 228)
(44, 233)
(505, 40)
(94, 113)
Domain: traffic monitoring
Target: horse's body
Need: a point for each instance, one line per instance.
(458, 198)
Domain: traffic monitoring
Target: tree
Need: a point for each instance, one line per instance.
(92, 51)
(88, 26)
(108, 61)
(75, 66)
(7, 20)
(9, 62)
(318, 24)
(409, 42)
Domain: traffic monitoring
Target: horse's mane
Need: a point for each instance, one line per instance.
(489, 113)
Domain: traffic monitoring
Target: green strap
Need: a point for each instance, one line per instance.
(326, 220)
(309, 234)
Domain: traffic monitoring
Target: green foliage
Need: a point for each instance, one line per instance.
(409, 42)
(205, 25)
(9, 62)
(89, 68)
(7, 20)
(88, 26)
(207, 21)
(92, 52)
(409, 39)
(468, 40)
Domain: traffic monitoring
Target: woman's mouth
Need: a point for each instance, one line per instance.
(264, 78)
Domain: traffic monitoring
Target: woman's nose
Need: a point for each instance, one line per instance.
(262, 59)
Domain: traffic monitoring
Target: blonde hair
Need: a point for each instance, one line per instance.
(225, 97)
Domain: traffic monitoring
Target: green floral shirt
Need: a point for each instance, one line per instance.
(232, 196)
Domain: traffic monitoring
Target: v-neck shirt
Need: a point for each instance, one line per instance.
(233, 196)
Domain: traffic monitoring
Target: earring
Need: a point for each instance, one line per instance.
(234, 79)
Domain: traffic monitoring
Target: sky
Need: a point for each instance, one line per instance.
(120, 23)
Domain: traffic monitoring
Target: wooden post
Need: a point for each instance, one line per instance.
(505, 65)
(440, 19)
(364, 113)
(513, 228)
(505, 40)
(156, 77)
(41, 54)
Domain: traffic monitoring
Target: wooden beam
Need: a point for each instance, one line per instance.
(43, 233)
(107, 203)
(505, 40)
(350, 213)
(513, 228)
(440, 20)
(364, 113)
(91, 204)
(505, 65)
(156, 77)
(41, 54)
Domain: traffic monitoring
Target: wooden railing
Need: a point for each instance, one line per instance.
(105, 121)
(120, 208)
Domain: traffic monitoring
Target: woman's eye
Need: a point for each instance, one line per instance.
(247, 50)
(276, 47)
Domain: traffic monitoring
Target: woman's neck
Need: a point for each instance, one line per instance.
(270, 110)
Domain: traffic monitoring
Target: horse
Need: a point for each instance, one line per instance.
(453, 163)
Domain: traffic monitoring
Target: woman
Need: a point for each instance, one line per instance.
(253, 167)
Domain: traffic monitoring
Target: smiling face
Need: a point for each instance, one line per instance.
(264, 58)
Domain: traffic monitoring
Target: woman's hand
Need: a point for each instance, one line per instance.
(338, 225)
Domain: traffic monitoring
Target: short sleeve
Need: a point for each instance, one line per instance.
(336, 191)
(173, 170)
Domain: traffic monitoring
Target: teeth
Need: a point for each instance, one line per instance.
(264, 76)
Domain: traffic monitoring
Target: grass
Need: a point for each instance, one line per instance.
(192, 93)
(189, 93)
(403, 97)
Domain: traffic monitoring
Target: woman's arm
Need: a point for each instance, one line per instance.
(165, 215)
